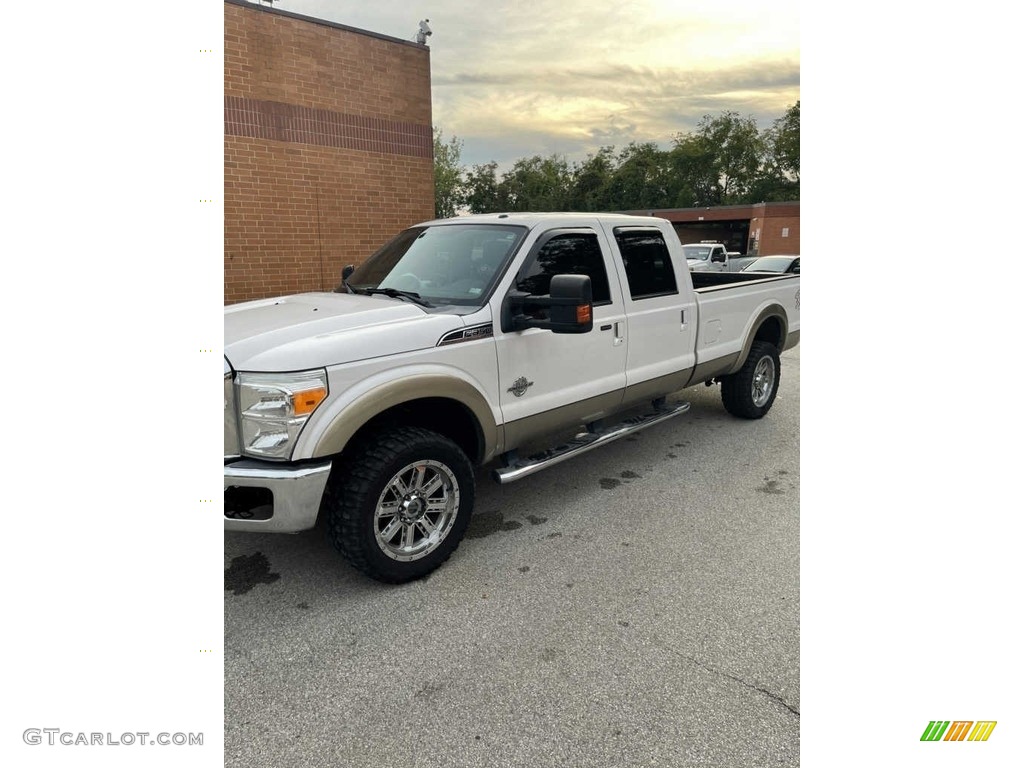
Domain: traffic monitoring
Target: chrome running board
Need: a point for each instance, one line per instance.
(583, 442)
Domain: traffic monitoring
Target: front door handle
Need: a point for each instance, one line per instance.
(619, 328)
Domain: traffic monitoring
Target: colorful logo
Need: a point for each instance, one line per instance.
(958, 730)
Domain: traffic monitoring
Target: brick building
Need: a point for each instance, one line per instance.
(764, 229)
(327, 148)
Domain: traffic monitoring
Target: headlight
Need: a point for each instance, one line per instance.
(275, 407)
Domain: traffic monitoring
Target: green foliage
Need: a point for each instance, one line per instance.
(724, 161)
(780, 173)
(590, 189)
(482, 195)
(783, 142)
(693, 167)
(536, 184)
(641, 177)
(738, 150)
(448, 185)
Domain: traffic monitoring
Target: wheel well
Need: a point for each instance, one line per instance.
(438, 414)
(771, 332)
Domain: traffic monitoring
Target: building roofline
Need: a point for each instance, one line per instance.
(722, 212)
(324, 23)
(740, 206)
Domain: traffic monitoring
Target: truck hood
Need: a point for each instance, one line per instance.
(314, 330)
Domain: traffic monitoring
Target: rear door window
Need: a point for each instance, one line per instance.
(648, 263)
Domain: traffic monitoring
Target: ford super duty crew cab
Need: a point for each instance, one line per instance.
(506, 339)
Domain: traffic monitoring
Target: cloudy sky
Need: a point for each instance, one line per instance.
(514, 79)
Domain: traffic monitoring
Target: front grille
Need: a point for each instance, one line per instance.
(231, 446)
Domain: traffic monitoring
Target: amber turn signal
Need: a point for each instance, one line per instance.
(307, 401)
(583, 313)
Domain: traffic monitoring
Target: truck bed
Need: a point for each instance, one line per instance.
(708, 281)
(728, 305)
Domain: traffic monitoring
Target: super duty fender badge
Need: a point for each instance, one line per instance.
(519, 386)
(797, 297)
(472, 333)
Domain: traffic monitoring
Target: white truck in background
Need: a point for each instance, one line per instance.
(713, 257)
(464, 342)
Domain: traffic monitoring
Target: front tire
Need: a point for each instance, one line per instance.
(750, 392)
(401, 503)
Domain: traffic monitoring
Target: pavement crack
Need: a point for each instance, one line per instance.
(741, 681)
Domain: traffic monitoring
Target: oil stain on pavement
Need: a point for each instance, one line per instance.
(773, 486)
(489, 523)
(246, 571)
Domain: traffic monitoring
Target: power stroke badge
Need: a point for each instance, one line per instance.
(519, 386)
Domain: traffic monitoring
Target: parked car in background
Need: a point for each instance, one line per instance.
(780, 265)
(712, 257)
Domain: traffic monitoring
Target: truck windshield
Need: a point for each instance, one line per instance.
(445, 263)
(697, 252)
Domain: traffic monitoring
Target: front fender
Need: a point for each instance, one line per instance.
(330, 432)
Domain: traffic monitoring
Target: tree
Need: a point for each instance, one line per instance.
(640, 180)
(737, 148)
(536, 184)
(693, 171)
(783, 143)
(780, 173)
(724, 161)
(589, 188)
(448, 184)
(481, 189)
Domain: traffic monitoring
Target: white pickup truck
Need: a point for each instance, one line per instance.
(467, 341)
(712, 257)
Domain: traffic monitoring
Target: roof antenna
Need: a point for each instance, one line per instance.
(424, 33)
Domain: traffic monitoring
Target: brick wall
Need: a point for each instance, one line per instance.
(327, 148)
(778, 234)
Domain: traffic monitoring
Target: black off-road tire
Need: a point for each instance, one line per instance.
(366, 472)
(747, 393)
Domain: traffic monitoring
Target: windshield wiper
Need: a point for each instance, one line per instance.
(394, 293)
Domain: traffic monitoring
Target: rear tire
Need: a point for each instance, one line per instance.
(750, 392)
(400, 504)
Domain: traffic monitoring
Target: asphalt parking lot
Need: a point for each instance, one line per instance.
(638, 605)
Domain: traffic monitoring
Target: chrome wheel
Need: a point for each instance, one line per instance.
(416, 510)
(764, 381)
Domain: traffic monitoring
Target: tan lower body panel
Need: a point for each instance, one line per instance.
(711, 368)
(655, 388)
(545, 424)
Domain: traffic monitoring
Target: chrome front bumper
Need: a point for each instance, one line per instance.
(295, 492)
